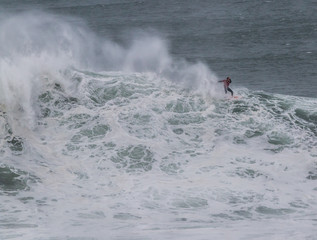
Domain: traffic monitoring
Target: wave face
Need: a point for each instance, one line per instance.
(99, 138)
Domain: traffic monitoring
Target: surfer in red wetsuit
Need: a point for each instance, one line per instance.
(226, 83)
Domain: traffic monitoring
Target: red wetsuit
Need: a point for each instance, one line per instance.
(226, 83)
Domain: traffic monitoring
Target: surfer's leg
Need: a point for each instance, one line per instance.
(230, 91)
(225, 89)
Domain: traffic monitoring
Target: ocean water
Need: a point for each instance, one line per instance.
(113, 124)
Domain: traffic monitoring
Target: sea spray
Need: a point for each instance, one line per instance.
(36, 46)
(133, 149)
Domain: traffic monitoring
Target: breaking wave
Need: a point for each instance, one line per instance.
(98, 136)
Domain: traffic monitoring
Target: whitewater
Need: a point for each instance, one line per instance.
(108, 140)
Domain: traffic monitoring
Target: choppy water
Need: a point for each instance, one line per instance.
(103, 138)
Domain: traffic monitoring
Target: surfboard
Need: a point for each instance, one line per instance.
(234, 98)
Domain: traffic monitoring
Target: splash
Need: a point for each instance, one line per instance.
(37, 47)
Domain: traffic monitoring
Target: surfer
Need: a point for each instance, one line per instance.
(226, 83)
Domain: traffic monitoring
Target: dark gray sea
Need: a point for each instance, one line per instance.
(113, 124)
(261, 45)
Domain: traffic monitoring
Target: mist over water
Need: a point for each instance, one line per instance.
(124, 140)
(37, 43)
(37, 47)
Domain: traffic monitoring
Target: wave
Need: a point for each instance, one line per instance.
(130, 137)
(136, 111)
(139, 134)
(36, 46)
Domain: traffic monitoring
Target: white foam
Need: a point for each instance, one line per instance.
(36, 46)
(206, 175)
